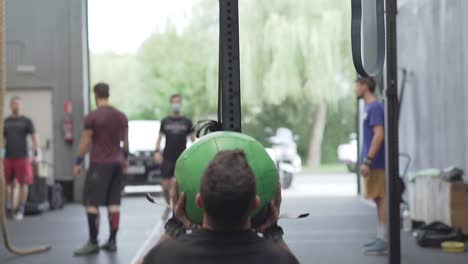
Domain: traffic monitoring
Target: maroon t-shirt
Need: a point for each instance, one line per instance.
(108, 126)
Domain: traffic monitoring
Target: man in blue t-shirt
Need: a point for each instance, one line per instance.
(373, 161)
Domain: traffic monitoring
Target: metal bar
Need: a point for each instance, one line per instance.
(358, 149)
(229, 69)
(391, 139)
(87, 91)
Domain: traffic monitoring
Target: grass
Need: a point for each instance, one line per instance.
(327, 168)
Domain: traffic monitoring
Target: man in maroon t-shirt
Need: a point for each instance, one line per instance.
(106, 130)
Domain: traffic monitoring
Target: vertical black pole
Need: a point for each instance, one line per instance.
(392, 105)
(358, 149)
(229, 69)
(87, 100)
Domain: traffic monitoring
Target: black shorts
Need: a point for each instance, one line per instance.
(103, 184)
(168, 168)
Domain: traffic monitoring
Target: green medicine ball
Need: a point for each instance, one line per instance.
(193, 162)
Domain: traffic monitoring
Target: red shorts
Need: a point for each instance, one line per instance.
(20, 169)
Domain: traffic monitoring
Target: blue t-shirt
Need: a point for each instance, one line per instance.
(374, 116)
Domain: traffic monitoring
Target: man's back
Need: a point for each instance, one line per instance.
(108, 126)
(219, 248)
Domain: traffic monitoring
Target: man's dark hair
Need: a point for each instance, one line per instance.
(101, 90)
(368, 81)
(175, 96)
(228, 189)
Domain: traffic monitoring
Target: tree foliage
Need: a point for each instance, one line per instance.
(294, 55)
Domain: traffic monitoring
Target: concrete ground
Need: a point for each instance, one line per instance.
(339, 223)
(67, 230)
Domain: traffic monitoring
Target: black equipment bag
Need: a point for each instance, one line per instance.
(56, 197)
(432, 235)
(37, 202)
(452, 174)
(36, 208)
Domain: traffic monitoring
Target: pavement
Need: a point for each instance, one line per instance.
(338, 224)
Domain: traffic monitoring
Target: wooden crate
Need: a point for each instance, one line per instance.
(458, 203)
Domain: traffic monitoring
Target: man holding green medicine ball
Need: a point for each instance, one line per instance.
(229, 198)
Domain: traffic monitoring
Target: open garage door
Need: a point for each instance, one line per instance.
(37, 105)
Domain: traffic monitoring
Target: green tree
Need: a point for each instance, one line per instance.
(297, 49)
(296, 70)
(183, 62)
(121, 72)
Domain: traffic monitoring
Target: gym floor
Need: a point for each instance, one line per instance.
(339, 223)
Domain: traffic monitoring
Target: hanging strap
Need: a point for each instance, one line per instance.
(356, 38)
(205, 127)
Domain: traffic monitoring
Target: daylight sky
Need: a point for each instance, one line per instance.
(121, 26)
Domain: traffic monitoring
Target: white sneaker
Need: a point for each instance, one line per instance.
(370, 243)
(19, 216)
(380, 248)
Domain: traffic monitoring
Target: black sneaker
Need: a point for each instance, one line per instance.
(110, 246)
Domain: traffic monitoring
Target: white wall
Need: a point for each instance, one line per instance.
(433, 47)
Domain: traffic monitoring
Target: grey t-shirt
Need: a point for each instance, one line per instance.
(16, 131)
